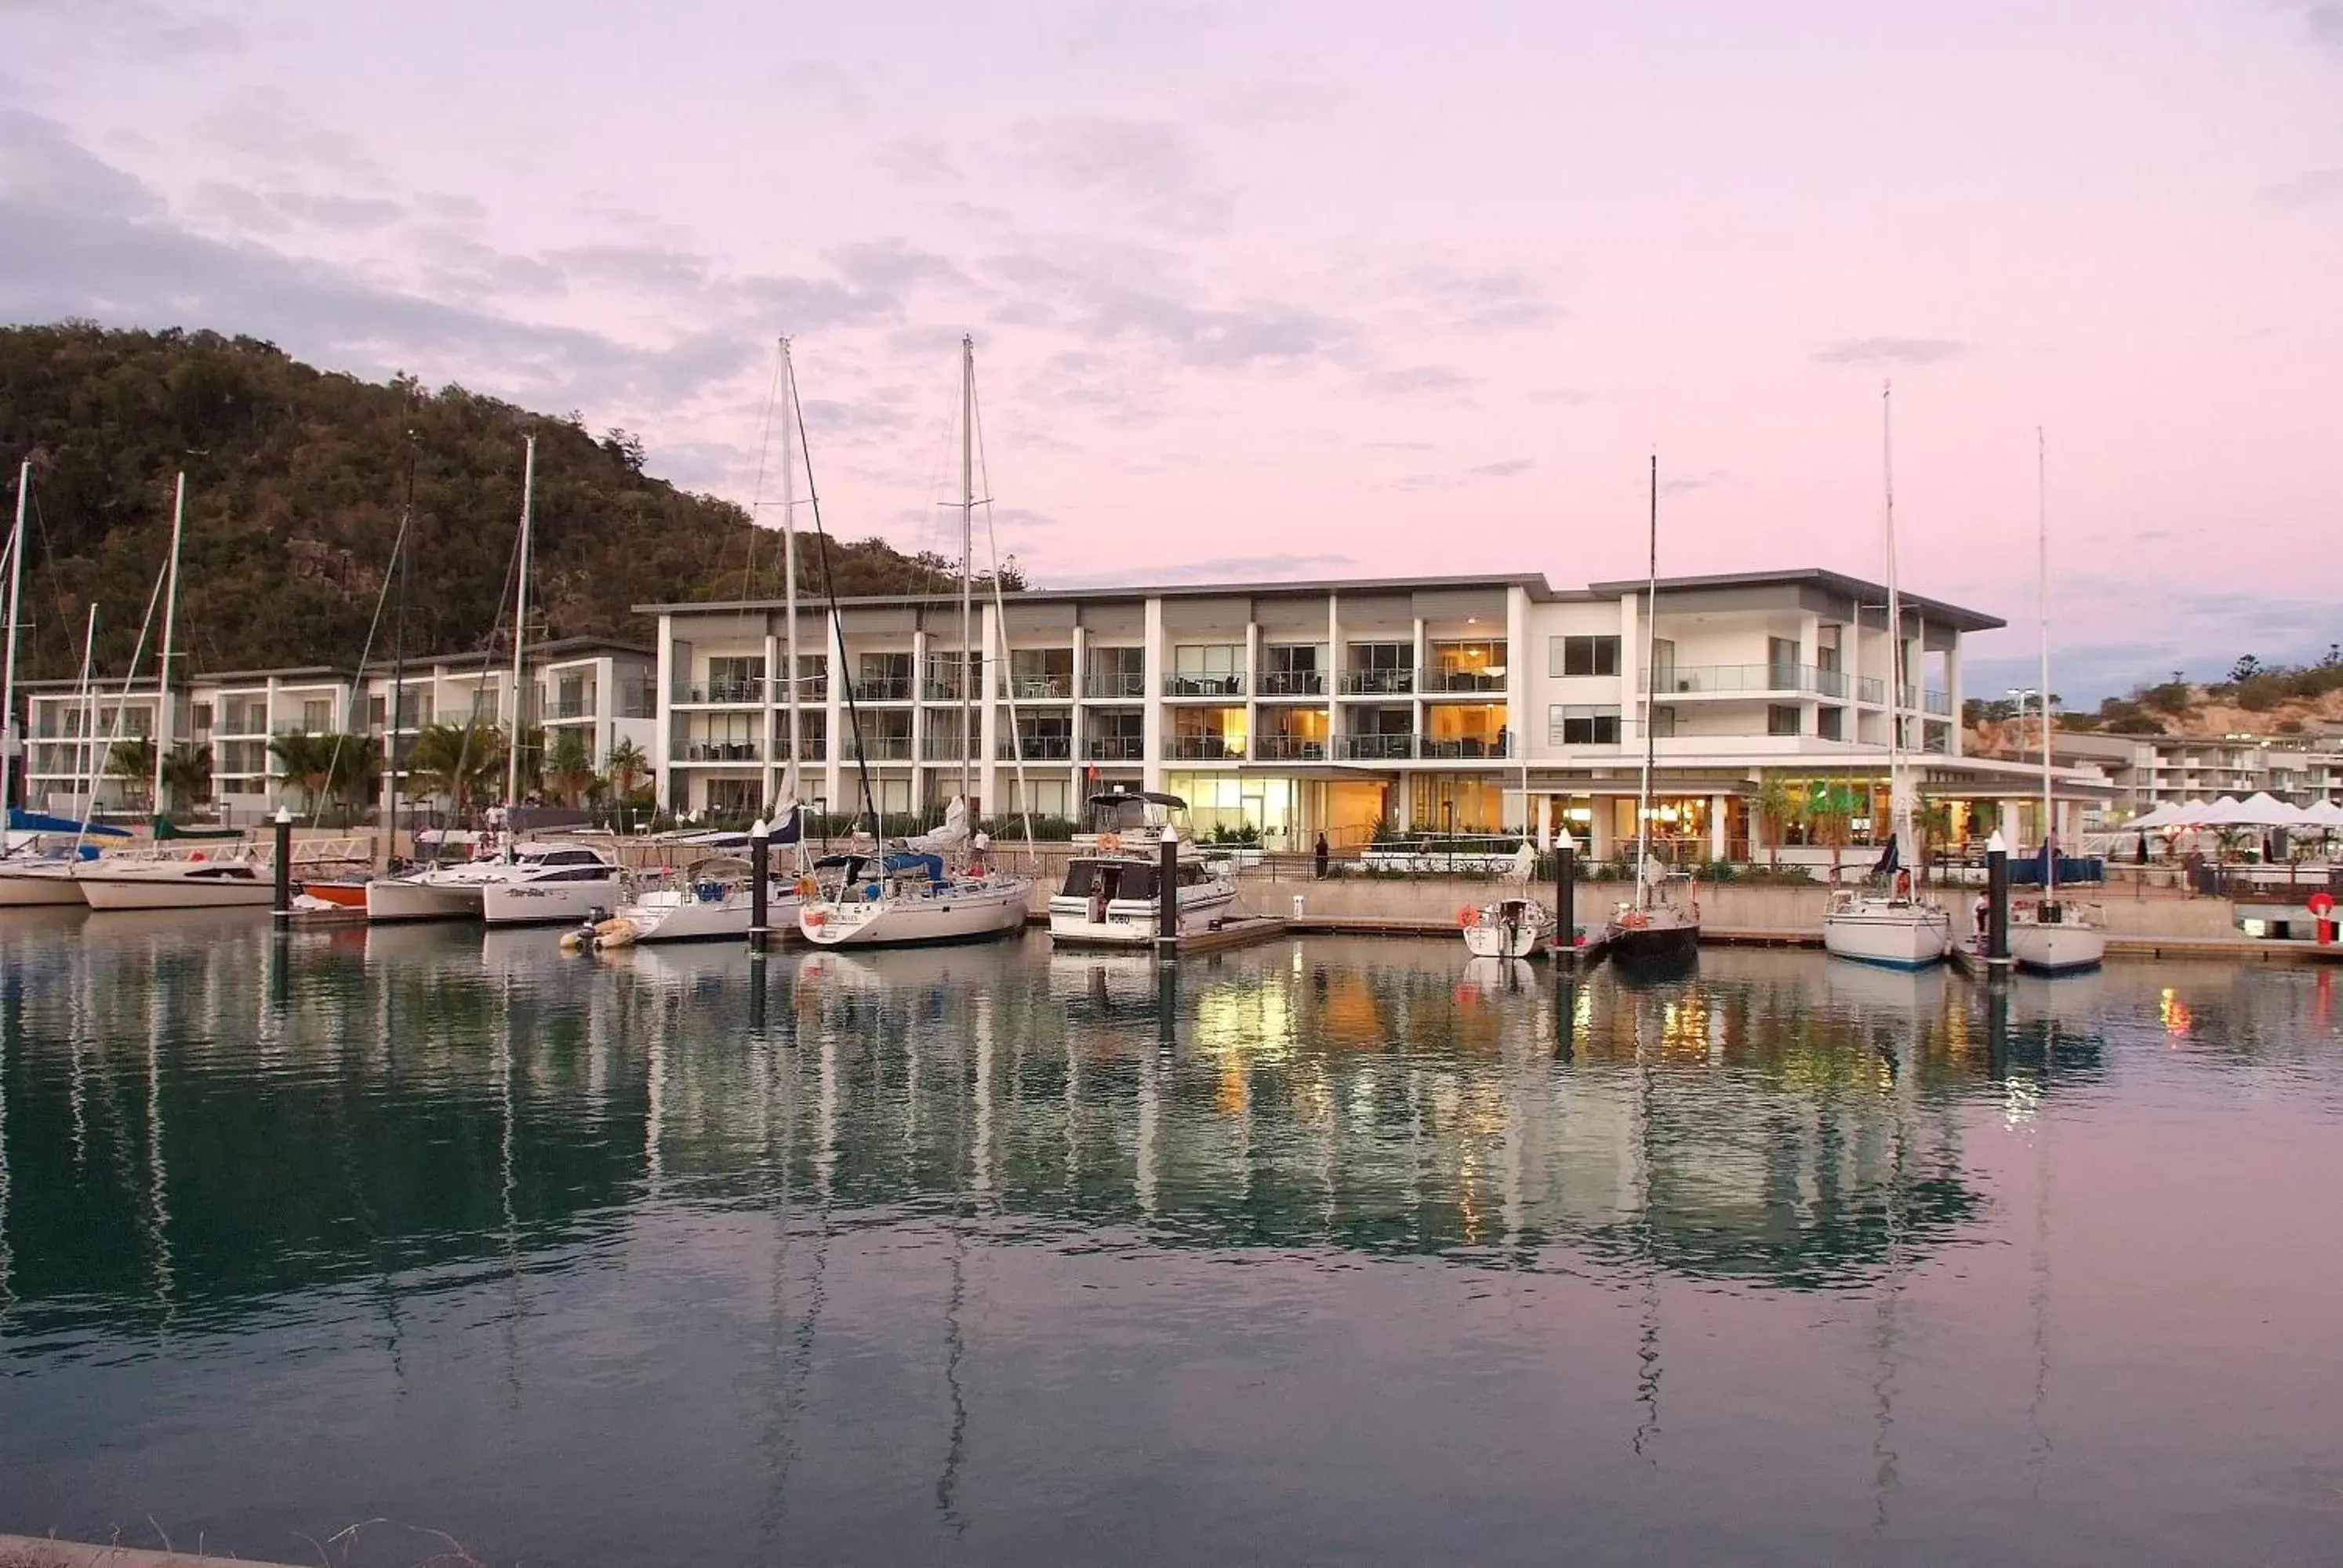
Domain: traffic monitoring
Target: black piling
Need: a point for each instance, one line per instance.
(1167, 898)
(1565, 894)
(282, 902)
(1997, 895)
(760, 849)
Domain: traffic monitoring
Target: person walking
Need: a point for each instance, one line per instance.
(1319, 855)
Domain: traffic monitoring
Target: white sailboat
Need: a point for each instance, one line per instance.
(2051, 935)
(1110, 896)
(1514, 925)
(1893, 925)
(1659, 926)
(912, 895)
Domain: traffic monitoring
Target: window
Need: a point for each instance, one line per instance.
(1782, 663)
(1117, 672)
(1379, 656)
(734, 797)
(203, 715)
(736, 679)
(1569, 656)
(1830, 723)
(317, 716)
(1210, 658)
(1582, 726)
(1782, 719)
(1663, 724)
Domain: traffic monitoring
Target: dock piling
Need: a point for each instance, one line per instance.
(281, 902)
(1167, 897)
(1996, 894)
(1565, 891)
(760, 849)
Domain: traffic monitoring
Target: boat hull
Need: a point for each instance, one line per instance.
(1488, 935)
(389, 898)
(1902, 936)
(1652, 949)
(705, 920)
(548, 903)
(1131, 922)
(341, 895)
(2063, 948)
(975, 915)
(218, 889)
(40, 886)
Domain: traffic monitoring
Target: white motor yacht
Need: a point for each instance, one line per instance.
(572, 880)
(1110, 896)
(201, 880)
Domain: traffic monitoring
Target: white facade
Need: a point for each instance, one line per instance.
(1451, 704)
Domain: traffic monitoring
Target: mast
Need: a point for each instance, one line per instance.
(89, 709)
(1650, 692)
(790, 780)
(8, 760)
(404, 550)
(968, 558)
(2042, 609)
(170, 613)
(1897, 811)
(520, 623)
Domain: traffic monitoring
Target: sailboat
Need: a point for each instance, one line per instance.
(2052, 936)
(910, 895)
(1892, 925)
(1659, 927)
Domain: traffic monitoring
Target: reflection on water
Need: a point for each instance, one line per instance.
(424, 1218)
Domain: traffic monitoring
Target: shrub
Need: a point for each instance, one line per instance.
(2171, 697)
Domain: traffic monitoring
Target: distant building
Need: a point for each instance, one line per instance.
(2144, 771)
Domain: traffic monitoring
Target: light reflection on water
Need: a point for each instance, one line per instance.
(996, 1252)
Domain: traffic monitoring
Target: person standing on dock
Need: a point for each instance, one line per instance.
(1319, 855)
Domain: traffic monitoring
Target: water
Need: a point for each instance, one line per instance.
(1329, 1252)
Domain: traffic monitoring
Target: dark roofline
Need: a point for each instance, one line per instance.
(290, 671)
(1534, 581)
(1864, 592)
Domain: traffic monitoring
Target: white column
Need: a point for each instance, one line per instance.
(919, 718)
(663, 677)
(1253, 686)
(1716, 839)
(1152, 725)
(1080, 720)
(1952, 692)
(1422, 674)
(992, 721)
(1333, 675)
(1517, 670)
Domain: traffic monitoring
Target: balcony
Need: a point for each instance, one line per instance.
(1058, 687)
(1441, 681)
(1378, 682)
(891, 748)
(940, 748)
(1203, 686)
(883, 688)
(1935, 703)
(815, 750)
(721, 751)
(1293, 683)
(1040, 749)
(1374, 748)
(1288, 748)
(1111, 684)
(563, 709)
(730, 693)
(1115, 748)
(935, 690)
(1465, 747)
(1206, 748)
(1733, 680)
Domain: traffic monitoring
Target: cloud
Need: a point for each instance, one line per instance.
(2304, 189)
(1476, 299)
(1408, 380)
(1687, 484)
(919, 161)
(2324, 21)
(135, 29)
(1503, 470)
(1109, 293)
(1149, 169)
(261, 128)
(1890, 351)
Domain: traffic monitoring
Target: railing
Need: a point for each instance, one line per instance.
(1206, 749)
(940, 748)
(1870, 689)
(932, 689)
(1927, 702)
(1042, 688)
(1374, 748)
(1293, 683)
(1203, 686)
(1462, 680)
(1829, 682)
(731, 691)
(1466, 746)
(1695, 679)
(1115, 683)
(583, 707)
(815, 750)
(1288, 748)
(890, 748)
(1378, 682)
(1115, 749)
(883, 688)
(723, 751)
(1040, 749)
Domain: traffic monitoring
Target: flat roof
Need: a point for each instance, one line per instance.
(1534, 583)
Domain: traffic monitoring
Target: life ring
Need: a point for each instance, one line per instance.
(1112, 843)
(1466, 914)
(1633, 921)
(1903, 884)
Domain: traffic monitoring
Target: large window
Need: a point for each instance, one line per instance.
(1782, 719)
(1568, 656)
(1582, 725)
(1207, 670)
(317, 716)
(1117, 672)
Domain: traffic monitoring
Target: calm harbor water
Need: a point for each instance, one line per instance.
(1329, 1250)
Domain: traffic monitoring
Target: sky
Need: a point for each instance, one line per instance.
(1307, 289)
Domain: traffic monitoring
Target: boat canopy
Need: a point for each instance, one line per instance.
(23, 821)
(1153, 797)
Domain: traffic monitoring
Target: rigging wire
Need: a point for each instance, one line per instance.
(757, 492)
(838, 626)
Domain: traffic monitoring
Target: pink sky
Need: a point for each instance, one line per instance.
(1308, 289)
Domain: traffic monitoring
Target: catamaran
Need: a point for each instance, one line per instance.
(2051, 935)
(1892, 924)
(1659, 926)
(913, 894)
(1112, 896)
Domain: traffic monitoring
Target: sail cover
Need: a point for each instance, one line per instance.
(23, 821)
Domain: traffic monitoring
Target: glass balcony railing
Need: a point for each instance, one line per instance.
(1206, 748)
(1204, 685)
(1115, 749)
(940, 748)
(561, 708)
(1115, 683)
(1916, 700)
(1378, 682)
(884, 688)
(1465, 746)
(1293, 683)
(1374, 748)
(1871, 688)
(723, 751)
(1288, 748)
(1047, 687)
(1436, 680)
(892, 749)
(1040, 749)
(732, 692)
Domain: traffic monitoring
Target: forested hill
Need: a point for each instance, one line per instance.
(295, 483)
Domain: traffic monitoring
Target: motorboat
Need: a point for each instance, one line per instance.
(575, 880)
(1111, 895)
(199, 880)
(1508, 928)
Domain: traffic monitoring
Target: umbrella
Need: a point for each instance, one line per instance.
(2263, 810)
(2323, 814)
(2167, 816)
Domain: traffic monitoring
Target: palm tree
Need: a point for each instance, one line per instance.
(187, 772)
(1932, 820)
(357, 775)
(459, 762)
(1830, 819)
(306, 762)
(132, 761)
(1776, 807)
(629, 772)
(569, 767)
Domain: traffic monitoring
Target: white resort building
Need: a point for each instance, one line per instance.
(1444, 705)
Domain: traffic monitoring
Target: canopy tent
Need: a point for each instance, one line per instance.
(2165, 816)
(2263, 810)
(2323, 814)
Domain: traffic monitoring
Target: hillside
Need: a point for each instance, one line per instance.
(294, 481)
(2274, 700)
